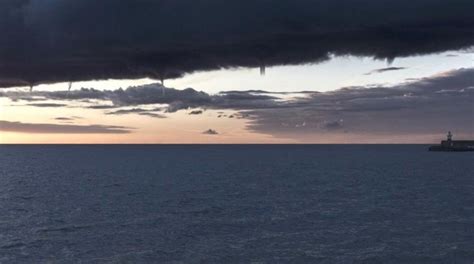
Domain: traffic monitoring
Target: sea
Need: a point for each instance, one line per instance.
(235, 204)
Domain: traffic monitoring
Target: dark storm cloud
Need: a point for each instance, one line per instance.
(19, 127)
(55, 40)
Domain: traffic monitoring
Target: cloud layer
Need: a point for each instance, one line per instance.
(428, 105)
(54, 40)
(38, 128)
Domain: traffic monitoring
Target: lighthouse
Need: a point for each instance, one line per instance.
(453, 145)
(450, 139)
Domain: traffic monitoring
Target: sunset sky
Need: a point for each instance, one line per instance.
(322, 83)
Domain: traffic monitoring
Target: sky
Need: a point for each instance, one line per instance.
(164, 73)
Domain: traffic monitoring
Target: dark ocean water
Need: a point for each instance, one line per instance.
(235, 204)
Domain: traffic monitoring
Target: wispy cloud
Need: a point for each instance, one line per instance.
(47, 105)
(40, 128)
(382, 70)
(151, 114)
(64, 118)
(139, 111)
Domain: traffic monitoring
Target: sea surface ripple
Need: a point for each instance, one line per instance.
(235, 204)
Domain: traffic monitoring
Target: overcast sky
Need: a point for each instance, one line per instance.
(281, 71)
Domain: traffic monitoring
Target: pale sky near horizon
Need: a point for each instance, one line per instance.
(230, 125)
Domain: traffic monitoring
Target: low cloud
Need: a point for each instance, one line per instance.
(210, 132)
(150, 114)
(416, 107)
(157, 94)
(433, 104)
(139, 111)
(38, 128)
(71, 118)
(382, 70)
(102, 107)
(246, 95)
(333, 125)
(127, 111)
(196, 112)
(64, 119)
(47, 105)
(151, 94)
